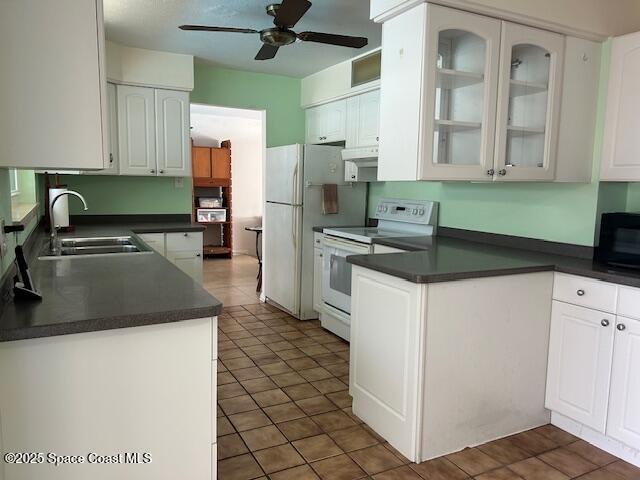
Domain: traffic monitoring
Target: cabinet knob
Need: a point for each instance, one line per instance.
(491, 172)
(353, 177)
(153, 171)
(604, 322)
(377, 139)
(198, 255)
(580, 293)
(502, 172)
(111, 158)
(161, 171)
(621, 327)
(186, 234)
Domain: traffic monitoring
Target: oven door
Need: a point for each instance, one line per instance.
(336, 272)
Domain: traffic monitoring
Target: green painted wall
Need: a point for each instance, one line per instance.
(633, 198)
(114, 195)
(278, 95)
(548, 211)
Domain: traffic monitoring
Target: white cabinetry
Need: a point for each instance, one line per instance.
(327, 123)
(468, 97)
(153, 132)
(624, 408)
(621, 143)
(112, 118)
(580, 353)
(363, 120)
(52, 85)
(183, 249)
(594, 357)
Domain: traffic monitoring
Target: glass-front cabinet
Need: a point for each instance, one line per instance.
(462, 75)
(528, 103)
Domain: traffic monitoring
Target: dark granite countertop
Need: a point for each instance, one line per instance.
(107, 292)
(444, 259)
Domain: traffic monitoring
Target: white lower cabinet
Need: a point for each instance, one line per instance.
(183, 249)
(580, 354)
(623, 422)
(593, 385)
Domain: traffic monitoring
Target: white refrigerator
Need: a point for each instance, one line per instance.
(294, 176)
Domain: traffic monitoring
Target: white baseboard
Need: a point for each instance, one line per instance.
(608, 444)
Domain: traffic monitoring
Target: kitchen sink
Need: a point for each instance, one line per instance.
(85, 247)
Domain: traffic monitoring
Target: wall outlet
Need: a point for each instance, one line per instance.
(3, 240)
(178, 182)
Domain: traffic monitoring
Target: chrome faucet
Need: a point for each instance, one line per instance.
(54, 228)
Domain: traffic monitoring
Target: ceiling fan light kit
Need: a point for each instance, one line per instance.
(285, 16)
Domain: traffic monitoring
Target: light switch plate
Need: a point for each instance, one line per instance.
(3, 240)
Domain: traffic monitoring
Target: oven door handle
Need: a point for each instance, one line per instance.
(352, 247)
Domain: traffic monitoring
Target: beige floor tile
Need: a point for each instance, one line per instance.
(375, 459)
(269, 398)
(278, 458)
(303, 472)
(263, 437)
(230, 446)
(301, 428)
(536, 469)
(591, 453)
(249, 420)
(568, 462)
(473, 461)
(401, 473)
(439, 469)
(340, 467)
(243, 467)
(332, 421)
(353, 438)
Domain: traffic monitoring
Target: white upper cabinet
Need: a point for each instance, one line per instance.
(112, 122)
(52, 85)
(621, 143)
(327, 123)
(469, 97)
(528, 103)
(623, 422)
(363, 120)
(580, 352)
(460, 95)
(173, 146)
(153, 132)
(136, 130)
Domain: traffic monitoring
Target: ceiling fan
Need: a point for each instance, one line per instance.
(286, 15)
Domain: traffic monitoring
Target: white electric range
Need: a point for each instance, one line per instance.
(396, 219)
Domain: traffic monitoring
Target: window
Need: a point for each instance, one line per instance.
(13, 180)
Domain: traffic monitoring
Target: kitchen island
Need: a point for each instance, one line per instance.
(450, 343)
(115, 369)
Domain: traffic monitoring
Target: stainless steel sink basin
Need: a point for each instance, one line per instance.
(85, 247)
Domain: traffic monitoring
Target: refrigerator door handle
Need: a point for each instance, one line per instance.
(294, 224)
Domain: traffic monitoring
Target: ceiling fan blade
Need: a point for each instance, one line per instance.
(331, 39)
(267, 52)
(290, 12)
(204, 28)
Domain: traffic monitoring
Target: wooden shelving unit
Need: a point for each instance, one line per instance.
(211, 169)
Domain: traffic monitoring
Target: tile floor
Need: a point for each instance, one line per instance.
(284, 411)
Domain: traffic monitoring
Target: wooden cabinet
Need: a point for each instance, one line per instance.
(211, 166)
(53, 85)
(468, 97)
(363, 120)
(326, 123)
(580, 355)
(623, 422)
(153, 132)
(621, 142)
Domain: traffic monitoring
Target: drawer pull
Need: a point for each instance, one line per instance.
(621, 327)
(580, 293)
(604, 322)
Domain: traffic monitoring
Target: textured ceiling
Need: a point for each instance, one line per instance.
(153, 24)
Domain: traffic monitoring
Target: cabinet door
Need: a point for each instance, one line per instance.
(190, 262)
(334, 121)
(623, 422)
(528, 103)
(201, 163)
(112, 122)
(317, 279)
(580, 355)
(621, 143)
(363, 120)
(136, 130)
(172, 133)
(313, 128)
(221, 161)
(462, 58)
(155, 241)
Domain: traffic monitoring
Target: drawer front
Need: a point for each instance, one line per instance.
(586, 292)
(317, 239)
(184, 241)
(386, 249)
(629, 302)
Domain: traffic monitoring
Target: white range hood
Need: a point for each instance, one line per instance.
(361, 156)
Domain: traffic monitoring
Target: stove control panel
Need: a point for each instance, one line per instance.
(423, 212)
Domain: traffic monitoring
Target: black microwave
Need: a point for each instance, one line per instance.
(619, 240)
